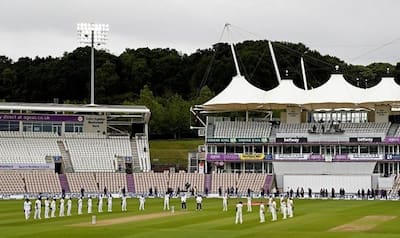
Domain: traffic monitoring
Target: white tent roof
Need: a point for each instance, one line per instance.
(238, 95)
(335, 93)
(286, 93)
(387, 91)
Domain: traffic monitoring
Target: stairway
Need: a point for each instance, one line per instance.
(268, 183)
(64, 182)
(130, 182)
(207, 182)
(66, 158)
(392, 129)
(135, 157)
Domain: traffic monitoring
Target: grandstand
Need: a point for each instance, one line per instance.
(319, 139)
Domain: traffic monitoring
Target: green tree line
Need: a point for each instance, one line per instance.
(167, 81)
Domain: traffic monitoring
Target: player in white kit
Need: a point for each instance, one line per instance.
(142, 200)
(273, 210)
(100, 204)
(27, 208)
(109, 203)
(239, 213)
(249, 204)
(53, 208)
(46, 208)
(38, 208)
(89, 205)
(80, 206)
(61, 214)
(123, 203)
(262, 212)
(225, 202)
(166, 201)
(69, 207)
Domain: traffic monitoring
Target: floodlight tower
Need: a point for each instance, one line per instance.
(94, 35)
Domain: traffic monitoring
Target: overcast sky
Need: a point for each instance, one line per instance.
(358, 31)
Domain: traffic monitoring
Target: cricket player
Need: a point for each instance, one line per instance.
(69, 207)
(27, 208)
(183, 201)
(249, 204)
(199, 201)
(284, 209)
(166, 202)
(38, 208)
(123, 203)
(239, 214)
(262, 212)
(46, 208)
(80, 206)
(100, 204)
(290, 207)
(109, 203)
(142, 200)
(89, 205)
(61, 214)
(273, 210)
(53, 208)
(225, 202)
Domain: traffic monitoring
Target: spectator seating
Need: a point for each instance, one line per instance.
(180, 179)
(145, 181)
(27, 150)
(11, 182)
(223, 180)
(242, 129)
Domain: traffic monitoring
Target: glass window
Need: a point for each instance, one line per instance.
(258, 149)
(239, 149)
(69, 127)
(4, 125)
(306, 149)
(220, 149)
(315, 149)
(363, 149)
(47, 127)
(296, 149)
(14, 126)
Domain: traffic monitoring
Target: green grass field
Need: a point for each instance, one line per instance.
(172, 151)
(313, 218)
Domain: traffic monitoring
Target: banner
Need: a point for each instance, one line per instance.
(26, 166)
(251, 140)
(252, 156)
(393, 156)
(391, 139)
(219, 140)
(316, 157)
(40, 117)
(223, 157)
(237, 140)
(341, 157)
(291, 140)
(365, 139)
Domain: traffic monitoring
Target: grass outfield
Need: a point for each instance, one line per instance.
(172, 151)
(313, 218)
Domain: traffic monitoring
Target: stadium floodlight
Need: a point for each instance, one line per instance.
(93, 35)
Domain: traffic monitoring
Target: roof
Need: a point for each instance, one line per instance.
(240, 95)
(77, 108)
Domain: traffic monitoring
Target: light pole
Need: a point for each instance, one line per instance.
(91, 34)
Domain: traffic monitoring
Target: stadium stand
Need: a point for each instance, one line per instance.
(253, 181)
(242, 129)
(145, 181)
(179, 180)
(11, 182)
(223, 180)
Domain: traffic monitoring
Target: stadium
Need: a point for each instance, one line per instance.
(334, 149)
